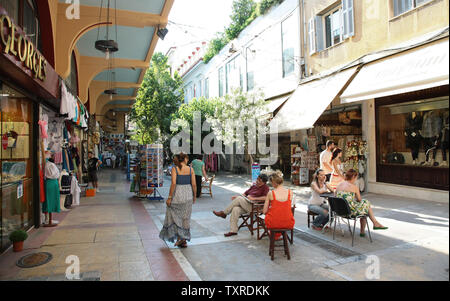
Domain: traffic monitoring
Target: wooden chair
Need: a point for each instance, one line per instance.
(208, 186)
(249, 219)
(311, 215)
(272, 244)
(260, 225)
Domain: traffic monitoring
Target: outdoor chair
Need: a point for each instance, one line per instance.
(249, 219)
(311, 216)
(208, 186)
(260, 225)
(285, 245)
(340, 209)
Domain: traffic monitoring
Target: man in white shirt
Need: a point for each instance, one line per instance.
(325, 158)
(113, 159)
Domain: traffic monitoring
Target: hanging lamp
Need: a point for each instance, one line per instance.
(107, 45)
(111, 79)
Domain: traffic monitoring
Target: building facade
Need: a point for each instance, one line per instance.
(376, 78)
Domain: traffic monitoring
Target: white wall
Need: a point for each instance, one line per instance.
(267, 47)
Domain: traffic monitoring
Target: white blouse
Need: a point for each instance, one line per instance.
(51, 171)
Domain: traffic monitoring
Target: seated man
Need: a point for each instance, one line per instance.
(241, 205)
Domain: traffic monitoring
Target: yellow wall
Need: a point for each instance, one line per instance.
(375, 29)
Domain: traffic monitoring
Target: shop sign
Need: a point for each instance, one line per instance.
(16, 44)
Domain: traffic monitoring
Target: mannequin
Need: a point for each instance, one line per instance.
(413, 137)
(75, 190)
(52, 197)
(64, 188)
(431, 131)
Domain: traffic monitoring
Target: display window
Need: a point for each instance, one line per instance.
(16, 163)
(414, 133)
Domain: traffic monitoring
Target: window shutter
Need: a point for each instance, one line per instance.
(312, 36)
(348, 18)
(320, 40)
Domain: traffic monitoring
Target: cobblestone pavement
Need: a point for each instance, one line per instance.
(115, 237)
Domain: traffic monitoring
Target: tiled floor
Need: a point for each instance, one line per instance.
(110, 234)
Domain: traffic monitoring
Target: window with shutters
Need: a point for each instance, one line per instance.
(331, 27)
(250, 56)
(334, 27)
(402, 6)
(206, 87)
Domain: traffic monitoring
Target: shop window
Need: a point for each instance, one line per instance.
(414, 133)
(288, 34)
(16, 163)
(402, 6)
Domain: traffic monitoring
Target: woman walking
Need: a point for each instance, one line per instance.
(278, 207)
(179, 203)
(199, 168)
(337, 176)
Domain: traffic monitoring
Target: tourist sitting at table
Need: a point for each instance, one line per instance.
(316, 203)
(241, 203)
(358, 206)
(278, 208)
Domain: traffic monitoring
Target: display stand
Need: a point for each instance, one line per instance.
(154, 158)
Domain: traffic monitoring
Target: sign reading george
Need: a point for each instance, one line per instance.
(15, 43)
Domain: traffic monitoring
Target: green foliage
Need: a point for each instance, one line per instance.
(206, 108)
(265, 5)
(214, 47)
(158, 98)
(243, 13)
(243, 10)
(18, 235)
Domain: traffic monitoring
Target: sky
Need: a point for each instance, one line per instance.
(194, 21)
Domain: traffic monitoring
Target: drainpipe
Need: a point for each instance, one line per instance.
(303, 48)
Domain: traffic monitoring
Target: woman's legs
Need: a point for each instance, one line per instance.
(322, 212)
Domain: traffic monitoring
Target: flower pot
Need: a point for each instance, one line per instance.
(18, 246)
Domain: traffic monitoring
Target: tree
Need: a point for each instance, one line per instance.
(202, 106)
(158, 98)
(243, 11)
(233, 112)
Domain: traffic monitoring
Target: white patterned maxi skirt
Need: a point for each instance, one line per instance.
(178, 215)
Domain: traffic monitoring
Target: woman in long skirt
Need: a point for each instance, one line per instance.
(179, 203)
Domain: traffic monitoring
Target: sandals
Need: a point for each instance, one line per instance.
(181, 244)
(380, 228)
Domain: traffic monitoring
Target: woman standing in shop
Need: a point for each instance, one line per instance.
(179, 203)
(337, 176)
(52, 197)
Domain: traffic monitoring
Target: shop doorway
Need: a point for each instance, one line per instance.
(16, 183)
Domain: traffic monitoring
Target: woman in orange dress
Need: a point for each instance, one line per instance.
(278, 208)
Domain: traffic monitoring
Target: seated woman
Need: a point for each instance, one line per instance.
(350, 192)
(316, 203)
(277, 207)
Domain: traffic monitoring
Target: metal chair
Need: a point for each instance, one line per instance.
(340, 209)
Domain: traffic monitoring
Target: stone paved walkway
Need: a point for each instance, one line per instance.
(115, 237)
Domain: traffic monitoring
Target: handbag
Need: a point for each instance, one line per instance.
(68, 201)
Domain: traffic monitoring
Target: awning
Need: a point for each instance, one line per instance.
(309, 101)
(414, 70)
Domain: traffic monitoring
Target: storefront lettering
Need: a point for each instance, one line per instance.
(16, 44)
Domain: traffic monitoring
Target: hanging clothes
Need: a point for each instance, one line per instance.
(43, 128)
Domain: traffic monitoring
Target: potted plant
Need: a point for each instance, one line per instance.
(17, 237)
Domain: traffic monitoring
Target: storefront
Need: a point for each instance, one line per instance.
(406, 105)
(26, 81)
